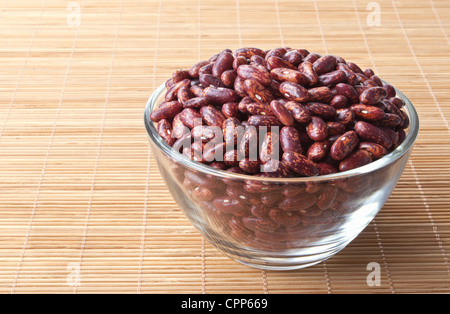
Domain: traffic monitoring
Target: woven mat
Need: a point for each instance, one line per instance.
(83, 208)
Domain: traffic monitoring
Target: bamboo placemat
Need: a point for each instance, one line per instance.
(83, 208)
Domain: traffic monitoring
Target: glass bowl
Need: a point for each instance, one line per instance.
(315, 217)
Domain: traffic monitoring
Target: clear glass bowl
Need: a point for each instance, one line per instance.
(320, 215)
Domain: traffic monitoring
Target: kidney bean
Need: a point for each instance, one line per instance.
(317, 129)
(258, 60)
(352, 79)
(325, 64)
(212, 116)
(398, 102)
(344, 116)
(320, 94)
(196, 102)
(220, 95)
(260, 224)
(373, 95)
(366, 112)
(274, 62)
(223, 63)
(284, 218)
(370, 83)
(290, 140)
(260, 210)
(344, 145)
(250, 166)
(325, 111)
(326, 197)
(165, 131)
(376, 150)
(206, 133)
(293, 91)
(347, 91)
(256, 73)
(256, 108)
(296, 203)
(190, 117)
(178, 128)
(257, 91)
(180, 75)
(197, 90)
(326, 168)
(335, 128)
(232, 130)
(377, 80)
(173, 90)
(339, 102)
(239, 87)
(307, 69)
(277, 168)
(300, 164)
(249, 144)
(289, 75)
(298, 111)
(312, 57)
(247, 52)
(262, 120)
(282, 113)
(238, 61)
(355, 68)
(208, 80)
(393, 135)
(318, 150)
(269, 147)
(228, 78)
(194, 70)
(357, 159)
(184, 94)
(333, 78)
(230, 109)
(230, 206)
(293, 57)
(371, 133)
(230, 158)
(390, 120)
(166, 110)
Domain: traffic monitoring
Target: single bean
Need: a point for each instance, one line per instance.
(344, 145)
(300, 164)
(371, 133)
(357, 159)
(256, 73)
(290, 140)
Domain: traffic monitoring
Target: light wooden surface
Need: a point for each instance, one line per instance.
(83, 208)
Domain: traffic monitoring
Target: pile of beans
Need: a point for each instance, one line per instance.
(329, 115)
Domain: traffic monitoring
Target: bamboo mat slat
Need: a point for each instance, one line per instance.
(83, 208)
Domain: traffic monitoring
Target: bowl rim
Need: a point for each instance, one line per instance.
(386, 160)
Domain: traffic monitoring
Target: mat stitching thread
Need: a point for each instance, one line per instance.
(316, 8)
(422, 192)
(97, 158)
(374, 223)
(439, 21)
(147, 182)
(430, 89)
(27, 235)
(19, 79)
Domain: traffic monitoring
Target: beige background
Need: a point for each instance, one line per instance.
(83, 208)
